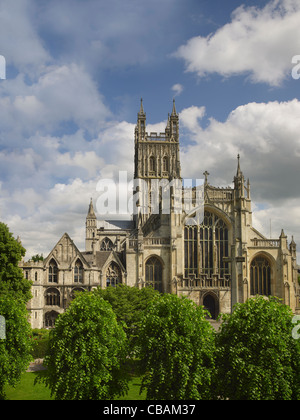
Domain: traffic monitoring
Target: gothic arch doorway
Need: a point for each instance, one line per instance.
(154, 273)
(211, 304)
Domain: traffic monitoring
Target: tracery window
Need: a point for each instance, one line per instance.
(106, 245)
(113, 275)
(205, 247)
(52, 297)
(78, 272)
(154, 273)
(165, 164)
(260, 276)
(53, 272)
(152, 164)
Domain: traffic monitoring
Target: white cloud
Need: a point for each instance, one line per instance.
(257, 42)
(190, 117)
(266, 135)
(19, 41)
(60, 95)
(177, 89)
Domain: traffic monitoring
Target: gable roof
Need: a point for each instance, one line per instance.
(55, 254)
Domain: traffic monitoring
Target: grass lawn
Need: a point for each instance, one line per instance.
(26, 390)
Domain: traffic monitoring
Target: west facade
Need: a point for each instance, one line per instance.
(216, 262)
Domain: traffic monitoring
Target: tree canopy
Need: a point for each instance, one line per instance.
(87, 351)
(256, 356)
(128, 303)
(12, 280)
(176, 349)
(15, 349)
(14, 293)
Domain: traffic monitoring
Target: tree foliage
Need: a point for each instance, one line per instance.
(257, 357)
(15, 349)
(128, 303)
(37, 258)
(12, 281)
(87, 350)
(176, 348)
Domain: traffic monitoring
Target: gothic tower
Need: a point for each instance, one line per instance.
(156, 156)
(90, 227)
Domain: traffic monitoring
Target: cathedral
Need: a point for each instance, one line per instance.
(218, 260)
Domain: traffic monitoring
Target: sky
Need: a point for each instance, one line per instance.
(75, 73)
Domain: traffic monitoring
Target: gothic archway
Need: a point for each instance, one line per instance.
(113, 275)
(206, 248)
(52, 297)
(53, 272)
(211, 304)
(78, 272)
(154, 271)
(260, 276)
(106, 245)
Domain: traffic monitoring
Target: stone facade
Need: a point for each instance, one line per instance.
(217, 262)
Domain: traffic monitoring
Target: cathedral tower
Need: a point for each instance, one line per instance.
(157, 154)
(90, 227)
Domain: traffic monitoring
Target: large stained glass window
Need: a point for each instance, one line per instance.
(260, 276)
(205, 247)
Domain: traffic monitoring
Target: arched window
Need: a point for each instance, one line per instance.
(78, 272)
(152, 164)
(211, 305)
(113, 275)
(165, 164)
(52, 297)
(106, 245)
(154, 273)
(205, 246)
(50, 318)
(53, 272)
(260, 276)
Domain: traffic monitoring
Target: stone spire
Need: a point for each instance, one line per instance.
(174, 113)
(141, 112)
(239, 173)
(239, 181)
(174, 124)
(91, 213)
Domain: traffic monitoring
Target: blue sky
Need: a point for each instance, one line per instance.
(75, 73)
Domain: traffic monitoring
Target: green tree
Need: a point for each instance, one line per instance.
(87, 351)
(37, 257)
(15, 349)
(176, 348)
(128, 303)
(257, 357)
(12, 281)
